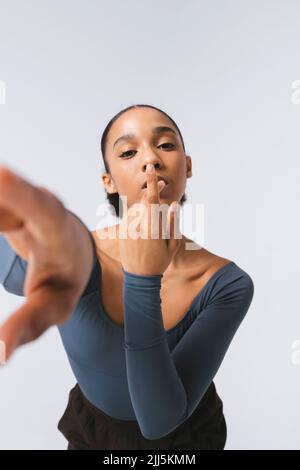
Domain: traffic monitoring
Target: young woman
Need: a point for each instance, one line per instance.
(145, 322)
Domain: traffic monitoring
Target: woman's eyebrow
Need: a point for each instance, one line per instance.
(155, 131)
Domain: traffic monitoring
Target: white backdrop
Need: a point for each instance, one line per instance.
(224, 71)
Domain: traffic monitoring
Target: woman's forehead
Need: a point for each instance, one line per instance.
(136, 121)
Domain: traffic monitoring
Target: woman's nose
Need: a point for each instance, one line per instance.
(156, 164)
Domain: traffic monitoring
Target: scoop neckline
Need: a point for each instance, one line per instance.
(121, 328)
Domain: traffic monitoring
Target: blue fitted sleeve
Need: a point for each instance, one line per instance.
(165, 387)
(12, 268)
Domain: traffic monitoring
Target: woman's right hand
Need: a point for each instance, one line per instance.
(59, 252)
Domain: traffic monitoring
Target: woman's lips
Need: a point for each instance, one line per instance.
(164, 188)
(159, 178)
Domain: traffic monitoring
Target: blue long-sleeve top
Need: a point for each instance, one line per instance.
(142, 371)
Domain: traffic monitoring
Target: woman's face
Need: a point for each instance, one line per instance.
(132, 142)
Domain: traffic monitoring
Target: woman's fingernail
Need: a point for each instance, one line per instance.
(149, 168)
(161, 185)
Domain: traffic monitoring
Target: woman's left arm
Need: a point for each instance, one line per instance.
(165, 387)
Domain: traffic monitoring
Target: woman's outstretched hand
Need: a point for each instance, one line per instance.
(147, 240)
(59, 252)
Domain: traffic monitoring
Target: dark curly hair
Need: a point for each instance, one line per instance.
(114, 198)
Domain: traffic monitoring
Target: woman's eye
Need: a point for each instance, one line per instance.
(166, 143)
(125, 154)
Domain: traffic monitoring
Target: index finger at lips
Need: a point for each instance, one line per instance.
(152, 187)
(25, 201)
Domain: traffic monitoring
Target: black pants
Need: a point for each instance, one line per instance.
(86, 427)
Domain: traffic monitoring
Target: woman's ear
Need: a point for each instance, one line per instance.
(188, 166)
(109, 183)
